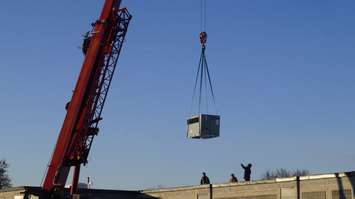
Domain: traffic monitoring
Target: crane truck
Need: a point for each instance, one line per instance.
(102, 48)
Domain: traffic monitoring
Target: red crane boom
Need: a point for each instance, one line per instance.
(102, 49)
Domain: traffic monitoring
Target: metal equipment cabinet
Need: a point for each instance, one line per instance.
(203, 126)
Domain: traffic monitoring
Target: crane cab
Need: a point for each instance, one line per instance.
(203, 126)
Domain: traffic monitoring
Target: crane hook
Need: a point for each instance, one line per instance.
(203, 39)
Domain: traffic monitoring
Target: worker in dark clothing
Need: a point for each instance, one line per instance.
(233, 179)
(247, 171)
(86, 42)
(204, 179)
(67, 105)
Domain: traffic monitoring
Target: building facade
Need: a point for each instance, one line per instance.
(325, 186)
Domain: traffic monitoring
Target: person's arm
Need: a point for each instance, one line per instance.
(243, 166)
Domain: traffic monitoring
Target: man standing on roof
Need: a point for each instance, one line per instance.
(204, 179)
(233, 179)
(247, 171)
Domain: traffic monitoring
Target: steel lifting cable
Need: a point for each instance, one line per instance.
(201, 82)
(207, 73)
(195, 86)
(210, 82)
(206, 88)
(203, 74)
(203, 15)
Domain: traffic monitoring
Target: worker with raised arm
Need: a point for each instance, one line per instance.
(204, 179)
(247, 171)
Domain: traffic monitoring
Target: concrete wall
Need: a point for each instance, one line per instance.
(327, 186)
(36, 193)
(13, 193)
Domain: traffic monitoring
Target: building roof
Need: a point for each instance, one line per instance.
(276, 180)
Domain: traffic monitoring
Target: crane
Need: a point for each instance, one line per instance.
(102, 47)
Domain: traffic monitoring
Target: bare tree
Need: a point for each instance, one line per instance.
(283, 173)
(302, 172)
(5, 180)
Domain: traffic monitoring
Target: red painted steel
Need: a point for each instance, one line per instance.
(70, 149)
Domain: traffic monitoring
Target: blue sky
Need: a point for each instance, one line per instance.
(283, 73)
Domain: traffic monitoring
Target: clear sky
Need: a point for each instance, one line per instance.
(283, 73)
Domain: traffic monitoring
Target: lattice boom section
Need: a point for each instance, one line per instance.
(107, 72)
